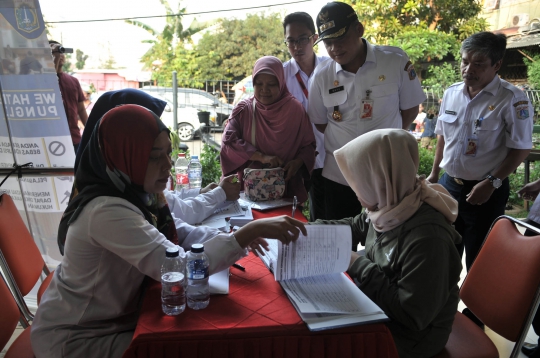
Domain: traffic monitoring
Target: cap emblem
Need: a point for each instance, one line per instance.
(323, 16)
(326, 26)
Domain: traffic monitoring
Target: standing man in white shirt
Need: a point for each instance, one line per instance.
(484, 132)
(300, 35)
(365, 87)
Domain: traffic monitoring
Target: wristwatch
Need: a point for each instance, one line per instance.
(496, 182)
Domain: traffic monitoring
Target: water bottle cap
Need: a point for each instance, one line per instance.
(197, 248)
(181, 155)
(194, 157)
(172, 252)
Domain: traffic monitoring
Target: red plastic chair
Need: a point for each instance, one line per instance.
(9, 311)
(501, 289)
(20, 258)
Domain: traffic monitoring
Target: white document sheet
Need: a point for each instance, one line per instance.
(333, 293)
(226, 210)
(219, 282)
(270, 257)
(241, 220)
(326, 249)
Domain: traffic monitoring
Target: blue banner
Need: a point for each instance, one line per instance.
(24, 16)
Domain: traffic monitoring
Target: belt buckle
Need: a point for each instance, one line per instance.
(458, 181)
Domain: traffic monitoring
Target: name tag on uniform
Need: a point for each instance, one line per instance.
(367, 107)
(336, 89)
(450, 112)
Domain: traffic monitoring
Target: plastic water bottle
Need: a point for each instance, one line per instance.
(181, 170)
(198, 290)
(173, 282)
(195, 172)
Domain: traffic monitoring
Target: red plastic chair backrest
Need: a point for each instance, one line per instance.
(9, 313)
(501, 286)
(18, 246)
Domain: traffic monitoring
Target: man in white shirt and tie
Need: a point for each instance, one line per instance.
(300, 35)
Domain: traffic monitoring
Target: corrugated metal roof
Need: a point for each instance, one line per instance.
(523, 41)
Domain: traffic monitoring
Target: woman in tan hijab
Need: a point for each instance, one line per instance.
(411, 266)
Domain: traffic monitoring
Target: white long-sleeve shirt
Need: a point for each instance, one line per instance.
(90, 308)
(192, 207)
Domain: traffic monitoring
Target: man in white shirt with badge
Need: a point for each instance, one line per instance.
(365, 87)
(484, 132)
(300, 35)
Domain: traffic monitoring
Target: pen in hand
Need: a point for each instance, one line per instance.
(295, 202)
(238, 266)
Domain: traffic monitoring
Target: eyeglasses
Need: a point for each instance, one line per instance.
(301, 42)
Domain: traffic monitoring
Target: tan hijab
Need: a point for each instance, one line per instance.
(381, 166)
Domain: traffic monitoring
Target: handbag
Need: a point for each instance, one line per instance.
(263, 184)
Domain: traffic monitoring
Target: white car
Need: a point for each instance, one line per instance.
(188, 119)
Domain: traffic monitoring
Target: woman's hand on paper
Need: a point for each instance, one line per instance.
(283, 228)
(256, 245)
(292, 167)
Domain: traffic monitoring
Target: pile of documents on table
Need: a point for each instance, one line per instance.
(311, 271)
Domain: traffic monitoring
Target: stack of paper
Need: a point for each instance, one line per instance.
(310, 271)
(241, 220)
(230, 209)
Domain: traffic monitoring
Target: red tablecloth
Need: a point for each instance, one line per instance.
(255, 320)
(284, 210)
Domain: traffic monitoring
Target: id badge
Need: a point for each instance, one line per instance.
(367, 109)
(471, 146)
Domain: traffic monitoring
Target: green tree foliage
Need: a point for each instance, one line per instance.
(387, 19)
(109, 63)
(81, 59)
(533, 71)
(211, 169)
(66, 67)
(426, 29)
(423, 45)
(533, 78)
(442, 76)
(232, 50)
(168, 52)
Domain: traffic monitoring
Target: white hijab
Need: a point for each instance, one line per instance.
(381, 167)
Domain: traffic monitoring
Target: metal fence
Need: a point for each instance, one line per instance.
(435, 95)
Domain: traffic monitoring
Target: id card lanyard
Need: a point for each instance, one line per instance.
(366, 113)
(471, 147)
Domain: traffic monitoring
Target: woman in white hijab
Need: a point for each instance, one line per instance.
(411, 266)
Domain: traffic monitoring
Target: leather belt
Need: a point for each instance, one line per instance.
(465, 182)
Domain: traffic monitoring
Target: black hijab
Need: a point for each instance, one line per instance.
(108, 101)
(114, 164)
